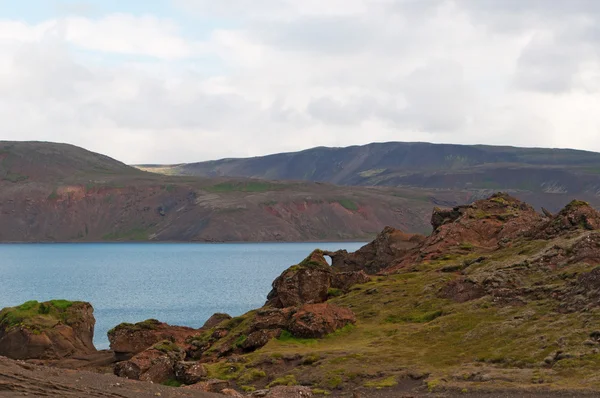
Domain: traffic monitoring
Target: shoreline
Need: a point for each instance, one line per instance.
(182, 242)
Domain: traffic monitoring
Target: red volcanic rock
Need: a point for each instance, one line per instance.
(189, 372)
(318, 320)
(51, 330)
(260, 338)
(576, 215)
(156, 364)
(212, 385)
(289, 392)
(129, 338)
(345, 280)
(388, 246)
(307, 282)
(486, 224)
(215, 319)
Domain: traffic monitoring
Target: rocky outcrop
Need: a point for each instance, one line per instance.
(485, 225)
(345, 280)
(319, 320)
(310, 282)
(156, 364)
(54, 329)
(128, 339)
(389, 245)
(215, 319)
(576, 215)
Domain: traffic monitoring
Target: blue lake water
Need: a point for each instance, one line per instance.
(181, 284)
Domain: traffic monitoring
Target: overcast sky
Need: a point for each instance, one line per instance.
(169, 81)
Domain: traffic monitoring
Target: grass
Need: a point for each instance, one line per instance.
(347, 204)
(148, 324)
(172, 383)
(382, 383)
(36, 315)
(167, 346)
(253, 186)
(135, 234)
(287, 337)
(288, 380)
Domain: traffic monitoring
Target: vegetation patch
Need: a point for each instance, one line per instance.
(347, 204)
(172, 383)
(167, 346)
(287, 337)
(135, 234)
(288, 380)
(36, 315)
(382, 383)
(253, 186)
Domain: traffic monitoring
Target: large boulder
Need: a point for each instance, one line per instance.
(319, 320)
(307, 282)
(54, 329)
(156, 364)
(129, 339)
(382, 252)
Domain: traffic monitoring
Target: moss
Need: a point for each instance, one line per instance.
(240, 341)
(172, 383)
(334, 382)
(288, 380)
(333, 292)
(251, 375)
(320, 391)
(248, 388)
(224, 370)
(148, 324)
(310, 359)
(37, 316)
(575, 204)
(415, 317)
(166, 346)
(382, 383)
(287, 337)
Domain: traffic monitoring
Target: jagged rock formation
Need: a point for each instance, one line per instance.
(129, 339)
(311, 282)
(50, 330)
(377, 255)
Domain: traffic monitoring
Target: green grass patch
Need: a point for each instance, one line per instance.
(287, 337)
(37, 316)
(253, 186)
(347, 204)
(135, 234)
(287, 380)
(172, 383)
(382, 383)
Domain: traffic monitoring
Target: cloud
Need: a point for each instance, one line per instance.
(267, 76)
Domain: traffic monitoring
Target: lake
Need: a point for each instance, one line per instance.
(178, 283)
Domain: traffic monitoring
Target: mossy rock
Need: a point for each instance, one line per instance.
(148, 324)
(38, 316)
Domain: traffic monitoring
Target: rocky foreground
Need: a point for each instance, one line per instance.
(499, 300)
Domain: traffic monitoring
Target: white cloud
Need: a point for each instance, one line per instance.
(281, 75)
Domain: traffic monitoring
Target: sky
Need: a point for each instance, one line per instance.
(172, 81)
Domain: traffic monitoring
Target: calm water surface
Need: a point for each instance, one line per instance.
(180, 284)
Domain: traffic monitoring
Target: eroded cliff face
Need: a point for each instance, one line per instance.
(147, 210)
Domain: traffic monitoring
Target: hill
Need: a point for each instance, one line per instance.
(55, 192)
(423, 165)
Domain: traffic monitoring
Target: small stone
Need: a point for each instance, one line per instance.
(590, 342)
(157, 394)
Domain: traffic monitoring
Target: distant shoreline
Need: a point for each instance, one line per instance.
(181, 242)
